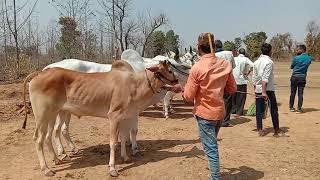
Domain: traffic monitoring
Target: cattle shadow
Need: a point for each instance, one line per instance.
(150, 151)
(243, 172)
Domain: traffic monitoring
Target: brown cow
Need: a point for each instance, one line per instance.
(115, 95)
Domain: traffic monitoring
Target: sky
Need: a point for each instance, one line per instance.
(226, 19)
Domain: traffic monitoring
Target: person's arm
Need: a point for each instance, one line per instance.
(254, 77)
(265, 78)
(192, 86)
(293, 63)
(250, 63)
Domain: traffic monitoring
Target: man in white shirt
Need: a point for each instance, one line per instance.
(263, 80)
(243, 68)
(228, 56)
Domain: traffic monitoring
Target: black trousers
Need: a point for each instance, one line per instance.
(228, 108)
(239, 100)
(297, 83)
(260, 107)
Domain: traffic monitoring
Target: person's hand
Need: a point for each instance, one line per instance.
(264, 96)
(177, 88)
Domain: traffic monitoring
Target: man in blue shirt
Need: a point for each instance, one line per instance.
(299, 67)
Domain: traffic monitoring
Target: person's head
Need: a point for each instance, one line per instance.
(218, 44)
(301, 49)
(266, 49)
(204, 41)
(242, 51)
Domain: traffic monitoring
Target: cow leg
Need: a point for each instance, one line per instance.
(133, 135)
(39, 137)
(61, 118)
(49, 140)
(57, 132)
(114, 118)
(123, 138)
(66, 134)
(166, 104)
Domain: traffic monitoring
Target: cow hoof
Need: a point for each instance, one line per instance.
(126, 160)
(135, 152)
(66, 158)
(57, 162)
(49, 173)
(75, 151)
(114, 173)
(167, 117)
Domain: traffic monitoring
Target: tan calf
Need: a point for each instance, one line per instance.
(117, 95)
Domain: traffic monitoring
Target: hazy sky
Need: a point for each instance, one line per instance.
(227, 19)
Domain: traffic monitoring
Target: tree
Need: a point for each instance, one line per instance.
(122, 26)
(157, 44)
(14, 26)
(237, 43)
(229, 46)
(69, 45)
(172, 41)
(317, 47)
(281, 45)
(253, 42)
(150, 24)
(312, 38)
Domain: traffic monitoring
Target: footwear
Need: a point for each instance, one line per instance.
(261, 133)
(292, 110)
(277, 132)
(300, 111)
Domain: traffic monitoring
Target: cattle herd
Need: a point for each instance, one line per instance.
(85, 88)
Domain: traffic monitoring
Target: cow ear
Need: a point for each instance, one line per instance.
(185, 49)
(153, 69)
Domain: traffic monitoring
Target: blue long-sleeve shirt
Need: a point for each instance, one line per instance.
(300, 64)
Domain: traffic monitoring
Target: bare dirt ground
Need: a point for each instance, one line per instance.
(170, 149)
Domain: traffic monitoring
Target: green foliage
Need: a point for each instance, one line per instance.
(157, 43)
(69, 44)
(160, 43)
(253, 42)
(229, 46)
(172, 41)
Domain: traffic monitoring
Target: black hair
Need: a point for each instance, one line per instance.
(302, 47)
(218, 44)
(242, 51)
(266, 48)
(206, 48)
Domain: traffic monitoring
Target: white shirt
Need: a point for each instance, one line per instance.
(263, 71)
(243, 66)
(226, 55)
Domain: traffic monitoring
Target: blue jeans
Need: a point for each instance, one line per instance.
(207, 131)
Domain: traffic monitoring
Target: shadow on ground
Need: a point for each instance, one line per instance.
(150, 151)
(243, 172)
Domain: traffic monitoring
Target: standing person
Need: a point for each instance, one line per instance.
(299, 65)
(243, 68)
(209, 78)
(263, 80)
(228, 56)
